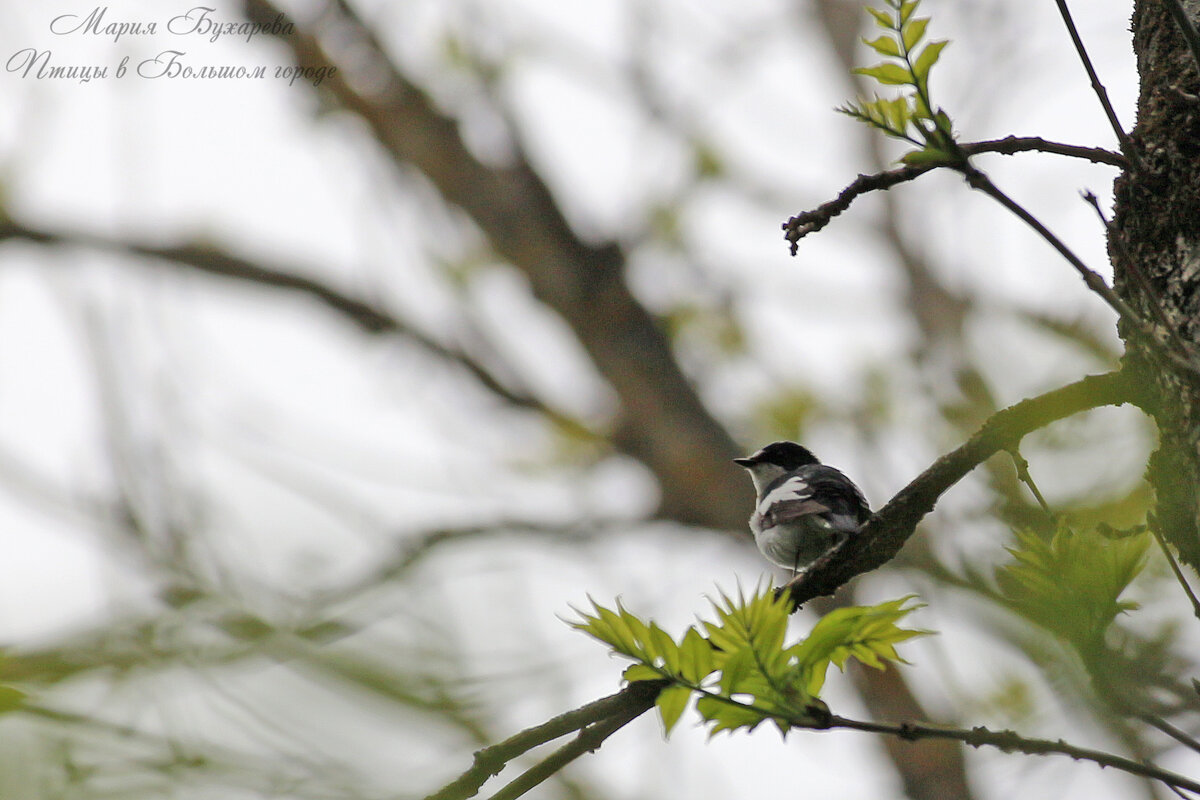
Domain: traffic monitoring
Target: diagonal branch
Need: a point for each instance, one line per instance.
(595, 722)
(1098, 87)
(662, 421)
(1184, 361)
(886, 532)
(368, 318)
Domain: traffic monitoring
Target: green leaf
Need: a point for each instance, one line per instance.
(896, 113)
(867, 634)
(593, 627)
(887, 74)
(882, 18)
(641, 672)
(666, 648)
(1071, 584)
(623, 640)
(912, 31)
(10, 698)
(884, 45)
(672, 702)
(927, 58)
(759, 676)
(727, 716)
(696, 660)
(642, 641)
(736, 669)
(906, 10)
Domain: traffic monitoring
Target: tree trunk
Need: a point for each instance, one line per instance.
(1156, 233)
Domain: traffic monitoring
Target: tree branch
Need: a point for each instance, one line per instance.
(662, 421)
(886, 532)
(370, 319)
(1097, 86)
(1092, 279)
(807, 222)
(588, 740)
(1122, 258)
(596, 721)
(1009, 741)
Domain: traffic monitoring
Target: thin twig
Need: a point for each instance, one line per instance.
(812, 221)
(1161, 724)
(1101, 93)
(1006, 740)
(806, 222)
(588, 740)
(979, 180)
(1179, 576)
(1010, 741)
(1011, 145)
(1190, 35)
(1023, 474)
(1092, 279)
(623, 706)
(1134, 268)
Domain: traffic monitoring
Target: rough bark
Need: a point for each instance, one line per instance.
(1156, 232)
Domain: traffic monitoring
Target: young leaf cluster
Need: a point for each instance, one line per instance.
(740, 670)
(1071, 584)
(907, 62)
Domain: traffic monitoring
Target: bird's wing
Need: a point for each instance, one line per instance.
(787, 489)
(785, 511)
(816, 490)
(838, 492)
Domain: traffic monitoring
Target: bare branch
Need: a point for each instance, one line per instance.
(1092, 279)
(662, 421)
(808, 222)
(1098, 87)
(1011, 145)
(1010, 741)
(371, 319)
(1176, 571)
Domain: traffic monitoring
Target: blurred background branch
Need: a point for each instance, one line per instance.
(261, 549)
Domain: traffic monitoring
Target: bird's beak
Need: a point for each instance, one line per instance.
(745, 462)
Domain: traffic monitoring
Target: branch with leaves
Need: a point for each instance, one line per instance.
(742, 673)
(809, 222)
(911, 117)
(745, 647)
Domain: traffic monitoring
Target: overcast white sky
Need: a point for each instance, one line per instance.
(269, 400)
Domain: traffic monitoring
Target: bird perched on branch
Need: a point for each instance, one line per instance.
(805, 510)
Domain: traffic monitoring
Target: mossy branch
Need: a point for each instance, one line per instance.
(887, 531)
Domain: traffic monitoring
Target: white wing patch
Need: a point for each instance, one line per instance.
(794, 488)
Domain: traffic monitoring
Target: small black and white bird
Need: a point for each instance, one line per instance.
(805, 509)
